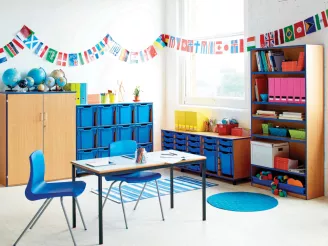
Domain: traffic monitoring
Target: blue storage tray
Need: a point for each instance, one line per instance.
(256, 180)
(224, 142)
(144, 133)
(85, 116)
(168, 145)
(168, 140)
(105, 115)
(225, 149)
(124, 114)
(106, 135)
(86, 138)
(87, 154)
(195, 168)
(211, 160)
(103, 153)
(168, 134)
(194, 150)
(194, 144)
(278, 132)
(226, 163)
(148, 147)
(292, 188)
(209, 146)
(143, 113)
(210, 140)
(125, 133)
(194, 138)
(179, 141)
(181, 136)
(180, 147)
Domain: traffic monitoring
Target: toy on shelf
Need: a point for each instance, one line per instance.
(210, 125)
(224, 128)
(120, 91)
(38, 75)
(10, 78)
(50, 82)
(264, 175)
(275, 185)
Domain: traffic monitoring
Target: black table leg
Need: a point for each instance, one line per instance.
(171, 187)
(73, 200)
(100, 211)
(204, 188)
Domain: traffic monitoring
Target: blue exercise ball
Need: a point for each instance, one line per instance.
(11, 77)
(61, 82)
(38, 74)
(30, 82)
(50, 82)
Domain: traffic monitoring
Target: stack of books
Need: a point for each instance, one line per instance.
(292, 116)
(269, 61)
(266, 114)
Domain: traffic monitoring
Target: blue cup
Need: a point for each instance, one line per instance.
(264, 97)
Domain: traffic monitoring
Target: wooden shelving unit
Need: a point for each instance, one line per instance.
(309, 152)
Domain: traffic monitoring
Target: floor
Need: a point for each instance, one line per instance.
(292, 222)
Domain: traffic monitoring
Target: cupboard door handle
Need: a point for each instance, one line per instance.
(41, 117)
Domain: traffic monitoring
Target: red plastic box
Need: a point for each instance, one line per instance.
(237, 131)
(225, 129)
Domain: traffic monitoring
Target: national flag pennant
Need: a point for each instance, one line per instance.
(191, 46)
(309, 25)
(51, 55)
(203, 47)
(81, 59)
(269, 39)
(143, 55)
(210, 47)
(299, 29)
(251, 43)
(218, 48)
(62, 59)
(95, 52)
(178, 43)
(115, 48)
(151, 51)
(134, 57)
(184, 45)
(41, 49)
(18, 43)
(31, 41)
(276, 37)
(24, 33)
(3, 57)
(86, 56)
(11, 49)
(196, 46)
(262, 41)
(72, 60)
(91, 55)
(124, 55)
(165, 38)
(107, 39)
(101, 47)
(321, 20)
(289, 33)
(234, 46)
(281, 36)
(159, 43)
(171, 43)
(241, 45)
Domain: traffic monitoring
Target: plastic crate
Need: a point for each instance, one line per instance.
(105, 115)
(180, 136)
(168, 134)
(209, 140)
(209, 146)
(87, 154)
(85, 116)
(194, 144)
(168, 145)
(256, 180)
(278, 132)
(193, 137)
(194, 150)
(148, 147)
(292, 188)
(211, 160)
(103, 153)
(124, 114)
(224, 142)
(265, 127)
(225, 129)
(168, 140)
(180, 147)
(125, 133)
(194, 168)
(86, 138)
(298, 134)
(180, 141)
(225, 149)
(226, 163)
(143, 113)
(237, 131)
(106, 135)
(144, 133)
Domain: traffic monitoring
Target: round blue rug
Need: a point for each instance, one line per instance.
(242, 201)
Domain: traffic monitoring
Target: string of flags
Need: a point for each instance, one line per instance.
(27, 38)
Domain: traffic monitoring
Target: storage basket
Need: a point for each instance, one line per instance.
(237, 131)
(265, 127)
(225, 129)
(297, 133)
(285, 163)
(278, 132)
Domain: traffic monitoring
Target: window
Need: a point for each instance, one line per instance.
(213, 80)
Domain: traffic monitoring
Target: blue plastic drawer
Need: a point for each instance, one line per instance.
(168, 134)
(180, 147)
(210, 140)
(180, 141)
(86, 138)
(168, 145)
(144, 133)
(194, 144)
(193, 138)
(148, 147)
(86, 154)
(105, 115)
(292, 188)
(181, 136)
(85, 116)
(143, 113)
(225, 149)
(224, 142)
(226, 163)
(209, 146)
(106, 135)
(194, 150)
(103, 153)
(125, 133)
(168, 140)
(211, 160)
(261, 182)
(195, 168)
(124, 114)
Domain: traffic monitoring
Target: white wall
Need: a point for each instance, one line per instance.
(77, 25)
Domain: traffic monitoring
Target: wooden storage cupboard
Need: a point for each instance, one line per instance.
(32, 121)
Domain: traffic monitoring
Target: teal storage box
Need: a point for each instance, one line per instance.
(125, 133)
(105, 115)
(85, 116)
(124, 114)
(83, 93)
(211, 160)
(144, 133)
(143, 113)
(226, 163)
(103, 153)
(106, 135)
(86, 138)
(87, 154)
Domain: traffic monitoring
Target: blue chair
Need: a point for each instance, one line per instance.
(38, 189)
(128, 147)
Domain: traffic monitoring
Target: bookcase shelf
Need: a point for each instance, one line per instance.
(310, 151)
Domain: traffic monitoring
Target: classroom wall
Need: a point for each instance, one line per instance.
(77, 25)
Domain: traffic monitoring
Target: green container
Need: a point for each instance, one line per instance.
(265, 127)
(297, 133)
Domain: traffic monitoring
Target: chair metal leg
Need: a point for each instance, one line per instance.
(69, 226)
(135, 207)
(126, 223)
(30, 223)
(110, 187)
(78, 206)
(159, 199)
(38, 217)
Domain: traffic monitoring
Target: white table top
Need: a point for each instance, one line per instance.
(119, 163)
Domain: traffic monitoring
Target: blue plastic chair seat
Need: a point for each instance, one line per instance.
(138, 177)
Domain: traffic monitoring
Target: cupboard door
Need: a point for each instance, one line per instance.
(25, 134)
(59, 134)
(3, 140)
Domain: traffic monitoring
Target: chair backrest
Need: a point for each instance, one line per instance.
(124, 147)
(37, 170)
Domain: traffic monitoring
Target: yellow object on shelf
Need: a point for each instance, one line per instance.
(111, 97)
(180, 120)
(189, 121)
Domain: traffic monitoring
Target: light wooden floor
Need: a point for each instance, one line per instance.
(293, 222)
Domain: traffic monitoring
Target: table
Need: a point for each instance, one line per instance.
(123, 165)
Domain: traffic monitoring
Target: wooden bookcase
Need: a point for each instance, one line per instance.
(309, 152)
